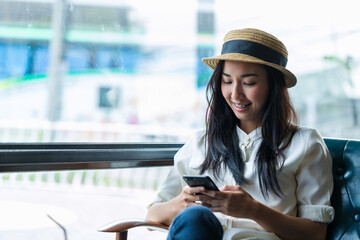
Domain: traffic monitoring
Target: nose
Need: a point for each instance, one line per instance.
(237, 91)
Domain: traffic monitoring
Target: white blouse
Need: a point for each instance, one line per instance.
(305, 180)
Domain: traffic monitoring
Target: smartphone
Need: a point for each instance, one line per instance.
(199, 180)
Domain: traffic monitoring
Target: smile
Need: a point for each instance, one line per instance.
(238, 106)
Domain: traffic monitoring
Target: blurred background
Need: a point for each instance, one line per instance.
(131, 71)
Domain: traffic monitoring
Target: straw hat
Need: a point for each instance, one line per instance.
(254, 46)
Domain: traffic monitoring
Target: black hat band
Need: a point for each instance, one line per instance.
(254, 49)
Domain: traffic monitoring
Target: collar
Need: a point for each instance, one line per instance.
(248, 138)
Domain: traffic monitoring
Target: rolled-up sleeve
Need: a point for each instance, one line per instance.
(315, 181)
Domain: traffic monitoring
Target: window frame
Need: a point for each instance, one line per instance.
(20, 157)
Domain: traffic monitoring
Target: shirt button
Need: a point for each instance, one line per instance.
(357, 217)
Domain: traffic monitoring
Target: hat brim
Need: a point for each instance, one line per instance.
(290, 79)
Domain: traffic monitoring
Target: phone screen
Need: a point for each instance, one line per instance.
(196, 181)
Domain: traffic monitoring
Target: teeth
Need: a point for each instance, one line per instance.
(241, 106)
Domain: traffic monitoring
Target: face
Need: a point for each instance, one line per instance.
(245, 88)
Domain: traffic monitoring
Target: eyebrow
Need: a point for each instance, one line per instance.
(242, 75)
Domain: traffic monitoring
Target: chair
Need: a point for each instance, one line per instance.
(121, 227)
(345, 198)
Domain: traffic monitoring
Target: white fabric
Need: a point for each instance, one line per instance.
(305, 179)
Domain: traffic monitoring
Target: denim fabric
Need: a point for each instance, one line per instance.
(195, 223)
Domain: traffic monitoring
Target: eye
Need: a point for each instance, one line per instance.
(226, 81)
(249, 83)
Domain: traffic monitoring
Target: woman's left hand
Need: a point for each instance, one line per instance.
(231, 200)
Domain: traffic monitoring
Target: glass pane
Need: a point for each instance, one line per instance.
(131, 71)
(100, 71)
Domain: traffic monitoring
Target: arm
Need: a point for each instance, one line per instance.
(234, 201)
(173, 195)
(288, 227)
(165, 212)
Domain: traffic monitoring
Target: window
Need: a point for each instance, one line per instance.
(108, 97)
(124, 46)
(206, 22)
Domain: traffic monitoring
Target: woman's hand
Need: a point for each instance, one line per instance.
(189, 196)
(165, 212)
(232, 201)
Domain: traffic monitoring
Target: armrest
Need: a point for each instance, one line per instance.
(126, 224)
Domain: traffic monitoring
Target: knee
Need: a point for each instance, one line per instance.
(196, 213)
(196, 222)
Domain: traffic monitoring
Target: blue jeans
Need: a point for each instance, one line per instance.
(195, 223)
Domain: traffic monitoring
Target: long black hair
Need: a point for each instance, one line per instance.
(279, 124)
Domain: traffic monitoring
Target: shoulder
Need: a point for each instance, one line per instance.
(305, 130)
(310, 141)
(306, 139)
(304, 134)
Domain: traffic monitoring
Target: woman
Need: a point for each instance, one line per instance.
(275, 175)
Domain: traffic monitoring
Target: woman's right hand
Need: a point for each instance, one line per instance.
(190, 196)
(165, 212)
(187, 197)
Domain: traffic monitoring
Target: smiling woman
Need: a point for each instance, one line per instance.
(131, 72)
(245, 89)
(260, 157)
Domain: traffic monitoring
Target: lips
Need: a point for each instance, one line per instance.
(242, 107)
